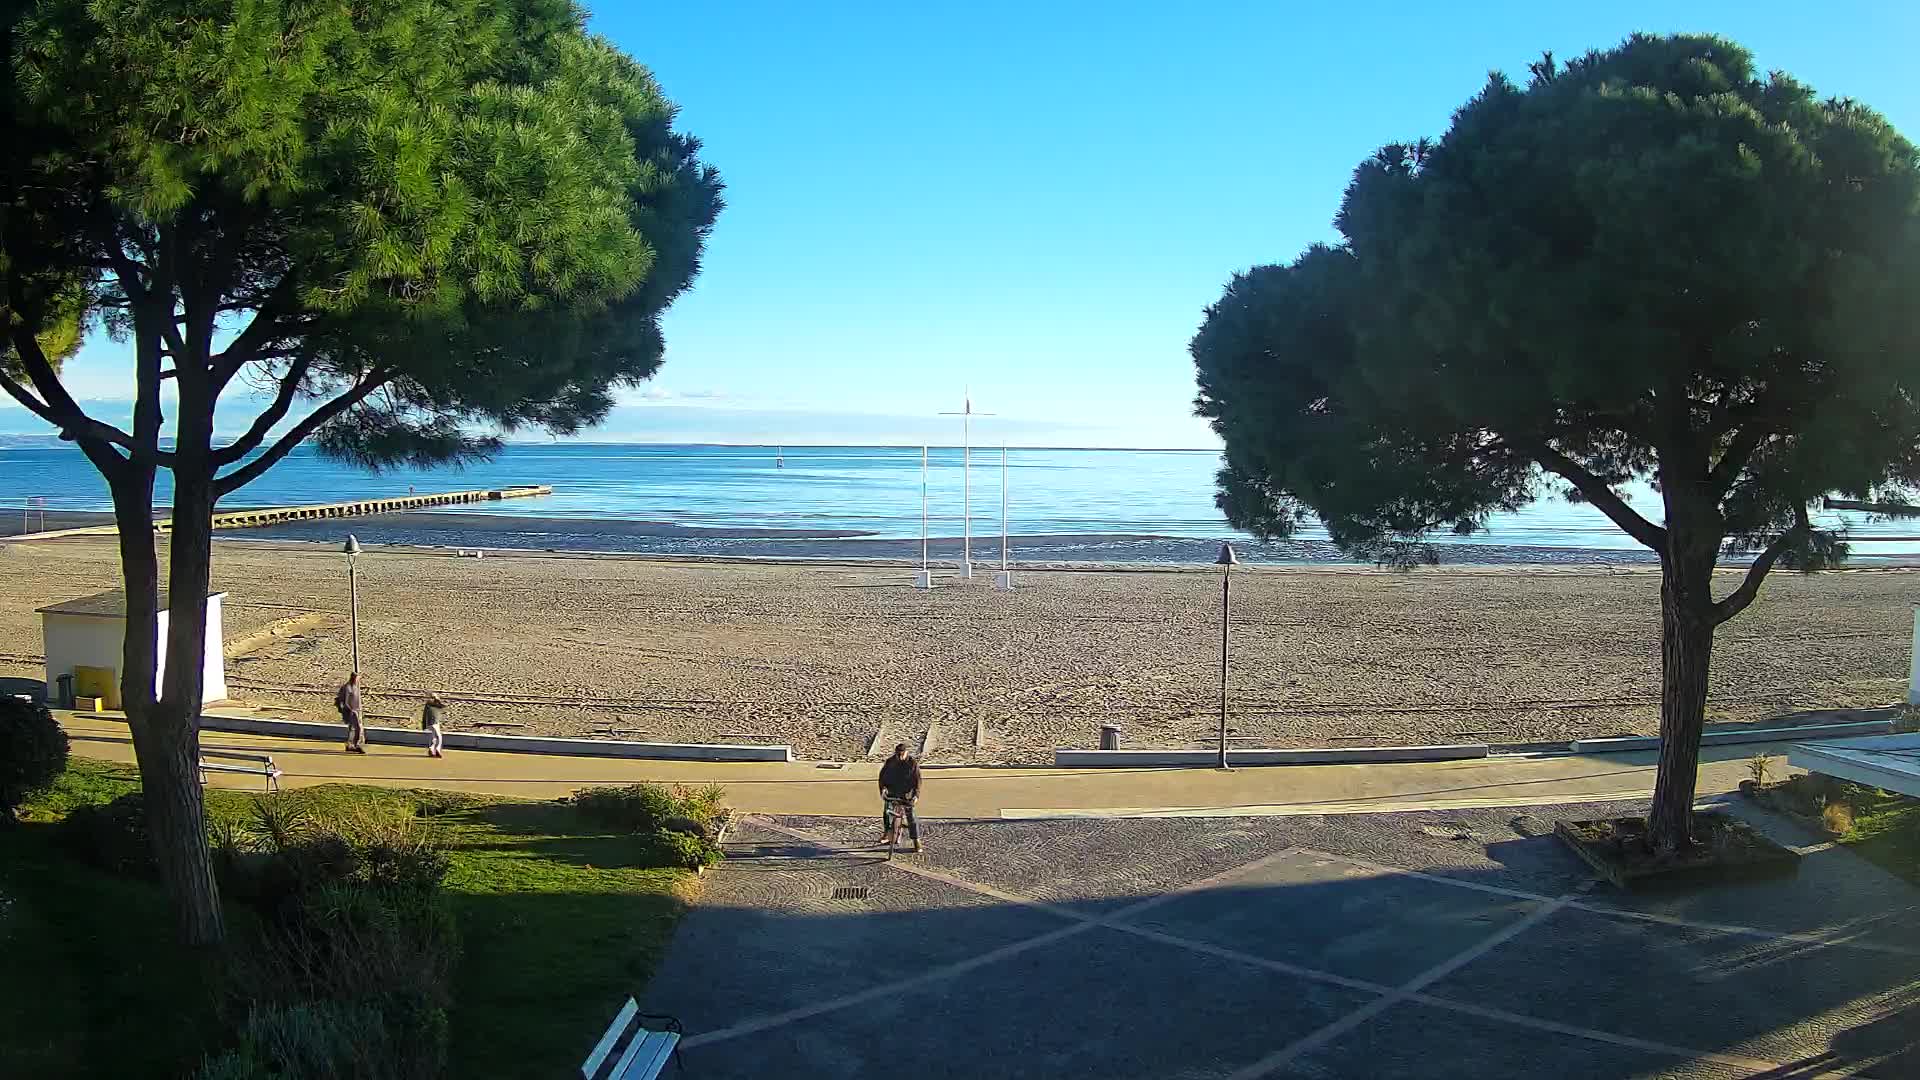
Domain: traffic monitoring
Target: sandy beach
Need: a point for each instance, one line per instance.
(834, 658)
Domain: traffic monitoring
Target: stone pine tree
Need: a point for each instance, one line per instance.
(1651, 263)
(398, 228)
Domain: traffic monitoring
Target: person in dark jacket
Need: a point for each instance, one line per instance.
(347, 700)
(900, 782)
(431, 716)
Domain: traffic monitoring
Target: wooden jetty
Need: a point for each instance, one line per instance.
(275, 515)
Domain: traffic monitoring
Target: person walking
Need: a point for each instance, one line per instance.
(900, 783)
(347, 700)
(431, 714)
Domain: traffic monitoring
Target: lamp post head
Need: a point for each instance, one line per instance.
(1227, 557)
(351, 547)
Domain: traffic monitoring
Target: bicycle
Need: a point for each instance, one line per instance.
(894, 811)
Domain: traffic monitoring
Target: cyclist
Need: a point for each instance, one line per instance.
(900, 783)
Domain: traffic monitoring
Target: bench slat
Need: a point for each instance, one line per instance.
(607, 1041)
(626, 1060)
(652, 1059)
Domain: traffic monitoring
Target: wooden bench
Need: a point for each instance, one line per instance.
(643, 1051)
(251, 764)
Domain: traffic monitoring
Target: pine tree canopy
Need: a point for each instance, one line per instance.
(407, 226)
(1650, 263)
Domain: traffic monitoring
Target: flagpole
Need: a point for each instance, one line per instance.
(925, 579)
(1004, 580)
(966, 490)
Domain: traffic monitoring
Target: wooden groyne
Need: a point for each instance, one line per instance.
(1891, 509)
(275, 515)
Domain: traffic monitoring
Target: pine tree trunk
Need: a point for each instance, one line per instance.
(1686, 653)
(175, 810)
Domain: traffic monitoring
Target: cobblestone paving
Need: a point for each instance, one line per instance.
(1456, 944)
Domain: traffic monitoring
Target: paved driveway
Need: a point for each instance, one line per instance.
(1457, 944)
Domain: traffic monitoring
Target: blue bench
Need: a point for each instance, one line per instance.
(643, 1051)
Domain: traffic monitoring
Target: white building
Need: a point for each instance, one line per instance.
(83, 638)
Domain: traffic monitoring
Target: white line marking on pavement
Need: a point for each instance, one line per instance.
(1280, 1058)
(1411, 991)
(1836, 938)
(875, 993)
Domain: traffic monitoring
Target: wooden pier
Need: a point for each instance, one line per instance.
(275, 515)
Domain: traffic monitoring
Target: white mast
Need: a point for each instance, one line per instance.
(923, 580)
(1004, 579)
(966, 416)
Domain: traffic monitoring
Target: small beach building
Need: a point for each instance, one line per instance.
(82, 638)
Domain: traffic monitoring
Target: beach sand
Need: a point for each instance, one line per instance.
(834, 658)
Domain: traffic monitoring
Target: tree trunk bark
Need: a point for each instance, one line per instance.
(1686, 653)
(175, 810)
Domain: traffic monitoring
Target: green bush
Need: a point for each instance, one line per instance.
(111, 836)
(329, 1040)
(647, 807)
(33, 752)
(690, 851)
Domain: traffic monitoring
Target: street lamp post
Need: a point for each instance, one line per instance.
(1226, 562)
(350, 549)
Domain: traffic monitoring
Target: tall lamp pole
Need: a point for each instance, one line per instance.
(1226, 562)
(350, 549)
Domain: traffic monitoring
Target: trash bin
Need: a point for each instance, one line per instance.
(1109, 737)
(64, 692)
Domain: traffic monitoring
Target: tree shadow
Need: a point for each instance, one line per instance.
(805, 960)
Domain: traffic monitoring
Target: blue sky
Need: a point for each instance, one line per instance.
(1039, 199)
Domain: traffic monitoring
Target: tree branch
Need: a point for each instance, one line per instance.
(274, 413)
(1739, 451)
(1600, 495)
(25, 397)
(298, 434)
(58, 408)
(1736, 601)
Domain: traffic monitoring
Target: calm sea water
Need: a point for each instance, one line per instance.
(1091, 505)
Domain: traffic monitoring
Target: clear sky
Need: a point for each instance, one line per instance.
(1039, 199)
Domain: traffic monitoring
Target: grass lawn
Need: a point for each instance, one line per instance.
(1886, 829)
(557, 922)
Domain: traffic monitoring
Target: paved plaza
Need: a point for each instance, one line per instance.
(1461, 943)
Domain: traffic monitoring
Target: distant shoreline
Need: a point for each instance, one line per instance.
(646, 538)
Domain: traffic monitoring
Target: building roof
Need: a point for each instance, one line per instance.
(1888, 762)
(111, 604)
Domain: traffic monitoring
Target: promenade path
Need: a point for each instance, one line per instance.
(847, 789)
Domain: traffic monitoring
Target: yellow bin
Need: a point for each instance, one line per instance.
(96, 682)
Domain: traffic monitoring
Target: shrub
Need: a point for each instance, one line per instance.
(648, 807)
(33, 752)
(688, 850)
(326, 1039)
(1760, 767)
(112, 837)
(632, 808)
(1838, 818)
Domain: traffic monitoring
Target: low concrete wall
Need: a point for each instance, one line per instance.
(1345, 755)
(517, 744)
(1745, 735)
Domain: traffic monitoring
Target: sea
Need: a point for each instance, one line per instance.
(850, 502)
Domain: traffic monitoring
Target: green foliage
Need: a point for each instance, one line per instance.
(33, 752)
(1649, 263)
(646, 808)
(542, 916)
(687, 850)
(111, 836)
(476, 204)
(323, 1040)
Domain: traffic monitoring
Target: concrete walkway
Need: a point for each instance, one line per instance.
(835, 789)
